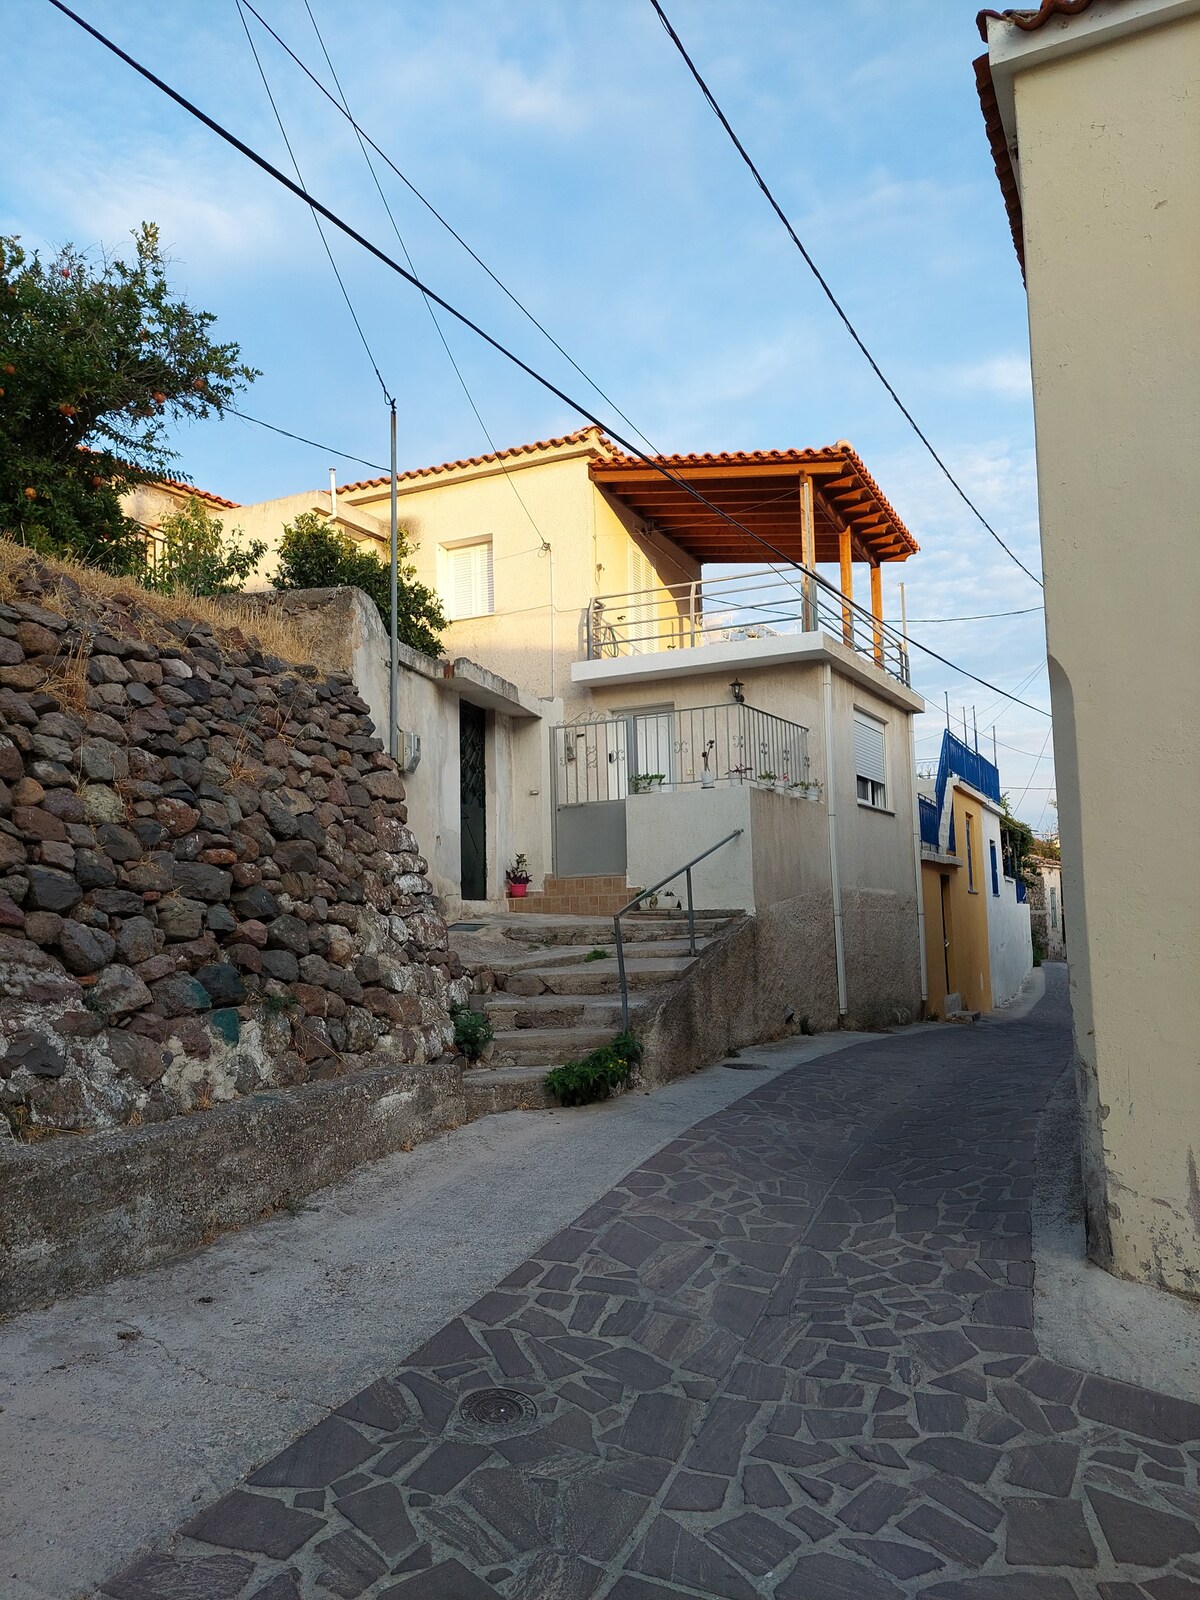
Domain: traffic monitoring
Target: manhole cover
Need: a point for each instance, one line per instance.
(497, 1410)
(465, 927)
(745, 1066)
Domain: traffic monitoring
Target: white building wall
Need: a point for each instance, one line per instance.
(1010, 941)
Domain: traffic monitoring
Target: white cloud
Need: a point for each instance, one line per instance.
(1006, 377)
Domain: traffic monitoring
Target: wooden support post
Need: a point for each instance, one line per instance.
(846, 556)
(808, 552)
(877, 609)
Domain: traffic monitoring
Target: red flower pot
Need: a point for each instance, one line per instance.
(518, 890)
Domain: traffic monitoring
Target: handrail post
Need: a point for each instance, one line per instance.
(621, 975)
(590, 611)
(691, 916)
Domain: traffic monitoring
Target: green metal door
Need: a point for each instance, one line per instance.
(472, 747)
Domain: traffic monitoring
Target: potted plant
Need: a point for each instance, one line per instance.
(707, 776)
(813, 790)
(765, 780)
(518, 878)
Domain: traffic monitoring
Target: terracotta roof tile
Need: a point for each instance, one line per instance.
(201, 494)
(603, 448)
(1029, 21)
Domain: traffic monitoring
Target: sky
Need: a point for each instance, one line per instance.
(566, 142)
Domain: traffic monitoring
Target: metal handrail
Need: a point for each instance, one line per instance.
(641, 895)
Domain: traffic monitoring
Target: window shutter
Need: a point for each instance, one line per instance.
(869, 759)
(470, 580)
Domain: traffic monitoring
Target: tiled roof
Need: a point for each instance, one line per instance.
(842, 451)
(1029, 21)
(201, 494)
(603, 449)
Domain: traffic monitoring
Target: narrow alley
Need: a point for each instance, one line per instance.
(791, 1354)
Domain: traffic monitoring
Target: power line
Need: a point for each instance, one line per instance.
(829, 294)
(408, 258)
(344, 110)
(655, 465)
(316, 219)
(300, 439)
(1036, 765)
(982, 616)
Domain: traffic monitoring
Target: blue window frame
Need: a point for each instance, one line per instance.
(995, 873)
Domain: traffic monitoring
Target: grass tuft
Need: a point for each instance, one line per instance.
(597, 1075)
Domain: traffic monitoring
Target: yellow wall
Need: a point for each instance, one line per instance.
(966, 923)
(1109, 143)
(536, 630)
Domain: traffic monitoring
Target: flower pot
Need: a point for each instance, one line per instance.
(707, 779)
(518, 890)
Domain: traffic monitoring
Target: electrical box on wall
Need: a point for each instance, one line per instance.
(408, 748)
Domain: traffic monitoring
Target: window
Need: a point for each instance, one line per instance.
(970, 853)
(870, 766)
(995, 871)
(467, 579)
(1054, 908)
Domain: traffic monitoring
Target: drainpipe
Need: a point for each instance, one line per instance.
(916, 809)
(333, 493)
(835, 877)
(548, 552)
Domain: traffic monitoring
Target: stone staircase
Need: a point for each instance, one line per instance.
(549, 984)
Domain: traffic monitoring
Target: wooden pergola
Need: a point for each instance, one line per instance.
(808, 506)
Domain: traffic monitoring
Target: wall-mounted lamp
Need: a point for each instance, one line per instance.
(737, 686)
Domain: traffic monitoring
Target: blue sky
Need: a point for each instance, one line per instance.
(566, 142)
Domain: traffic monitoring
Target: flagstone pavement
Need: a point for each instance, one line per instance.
(790, 1355)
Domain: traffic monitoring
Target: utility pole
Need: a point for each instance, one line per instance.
(975, 725)
(394, 664)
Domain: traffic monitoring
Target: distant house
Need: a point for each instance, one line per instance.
(680, 704)
(1047, 915)
(1092, 113)
(977, 917)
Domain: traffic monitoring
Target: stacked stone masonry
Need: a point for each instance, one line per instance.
(207, 882)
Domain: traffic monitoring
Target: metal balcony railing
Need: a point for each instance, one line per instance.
(681, 616)
(612, 757)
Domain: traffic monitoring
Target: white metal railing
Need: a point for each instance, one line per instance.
(680, 616)
(709, 746)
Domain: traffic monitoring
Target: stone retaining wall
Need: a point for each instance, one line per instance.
(207, 882)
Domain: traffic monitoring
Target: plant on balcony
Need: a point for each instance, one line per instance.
(647, 782)
(765, 780)
(517, 877)
(707, 776)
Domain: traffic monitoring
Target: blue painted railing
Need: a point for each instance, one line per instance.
(1022, 892)
(929, 821)
(969, 765)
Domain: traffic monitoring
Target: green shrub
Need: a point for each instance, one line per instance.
(600, 1073)
(196, 556)
(472, 1031)
(597, 955)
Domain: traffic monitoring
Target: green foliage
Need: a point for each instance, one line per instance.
(472, 1031)
(97, 362)
(599, 1074)
(1017, 843)
(315, 555)
(597, 955)
(1039, 947)
(195, 555)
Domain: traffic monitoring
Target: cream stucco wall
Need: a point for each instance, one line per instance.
(1010, 943)
(536, 628)
(1109, 144)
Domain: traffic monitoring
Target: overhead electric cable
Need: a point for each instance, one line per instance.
(1034, 768)
(461, 316)
(300, 439)
(344, 110)
(829, 294)
(982, 616)
(545, 543)
(316, 219)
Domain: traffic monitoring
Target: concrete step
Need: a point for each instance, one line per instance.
(489, 1090)
(600, 977)
(508, 1012)
(547, 1047)
(598, 931)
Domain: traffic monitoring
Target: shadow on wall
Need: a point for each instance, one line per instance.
(775, 972)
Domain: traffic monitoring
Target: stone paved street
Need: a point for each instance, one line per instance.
(790, 1355)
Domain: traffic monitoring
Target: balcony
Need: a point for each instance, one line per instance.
(703, 747)
(763, 605)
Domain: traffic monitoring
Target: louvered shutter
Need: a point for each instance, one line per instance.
(869, 761)
(470, 575)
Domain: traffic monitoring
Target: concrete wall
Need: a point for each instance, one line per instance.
(663, 829)
(1046, 912)
(1109, 141)
(970, 942)
(1010, 945)
(428, 698)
